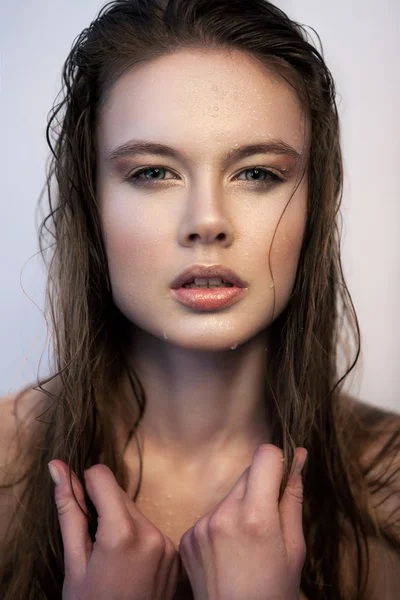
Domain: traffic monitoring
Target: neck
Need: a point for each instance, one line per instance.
(201, 404)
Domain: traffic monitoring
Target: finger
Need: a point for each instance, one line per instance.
(237, 492)
(73, 523)
(291, 507)
(114, 518)
(265, 478)
(142, 521)
(239, 489)
(172, 579)
(173, 571)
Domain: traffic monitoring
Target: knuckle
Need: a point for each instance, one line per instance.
(99, 469)
(63, 504)
(123, 536)
(251, 524)
(155, 542)
(295, 490)
(64, 497)
(219, 523)
(270, 449)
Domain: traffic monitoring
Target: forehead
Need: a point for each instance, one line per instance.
(201, 98)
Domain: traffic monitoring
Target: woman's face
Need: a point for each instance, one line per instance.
(204, 205)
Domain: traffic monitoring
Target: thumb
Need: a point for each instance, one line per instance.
(291, 510)
(73, 523)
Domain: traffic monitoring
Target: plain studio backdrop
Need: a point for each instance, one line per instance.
(360, 42)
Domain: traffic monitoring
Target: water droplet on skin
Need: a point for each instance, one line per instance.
(234, 346)
(271, 285)
(165, 335)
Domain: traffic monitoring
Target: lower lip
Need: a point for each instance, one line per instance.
(209, 298)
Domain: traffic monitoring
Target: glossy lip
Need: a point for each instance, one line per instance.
(197, 271)
(208, 299)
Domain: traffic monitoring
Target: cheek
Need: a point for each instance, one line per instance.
(286, 248)
(283, 242)
(134, 246)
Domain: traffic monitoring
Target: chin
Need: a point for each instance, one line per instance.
(208, 341)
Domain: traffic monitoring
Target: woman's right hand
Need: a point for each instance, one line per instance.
(131, 558)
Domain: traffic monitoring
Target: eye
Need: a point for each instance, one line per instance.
(156, 171)
(262, 176)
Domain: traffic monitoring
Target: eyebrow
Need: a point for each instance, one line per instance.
(133, 147)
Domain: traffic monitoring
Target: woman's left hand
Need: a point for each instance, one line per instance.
(250, 547)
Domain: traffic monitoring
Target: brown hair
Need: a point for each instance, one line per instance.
(89, 357)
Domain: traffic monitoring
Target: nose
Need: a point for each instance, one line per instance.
(206, 218)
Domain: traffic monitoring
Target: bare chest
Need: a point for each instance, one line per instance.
(174, 502)
(173, 516)
(175, 508)
(174, 499)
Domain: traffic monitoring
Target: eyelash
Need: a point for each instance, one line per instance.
(134, 177)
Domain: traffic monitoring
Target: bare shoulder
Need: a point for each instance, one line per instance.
(377, 434)
(17, 413)
(372, 428)
(364, 410)
(375, 439)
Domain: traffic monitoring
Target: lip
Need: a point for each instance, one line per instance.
(208, 299)
(197, 271)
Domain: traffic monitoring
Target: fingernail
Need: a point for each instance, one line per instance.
(301, 461)
(55, 474)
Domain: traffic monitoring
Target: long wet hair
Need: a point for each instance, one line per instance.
(315, 333)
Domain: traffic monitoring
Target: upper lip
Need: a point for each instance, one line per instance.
(197, 271)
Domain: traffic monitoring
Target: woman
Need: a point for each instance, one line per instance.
(197, 146)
